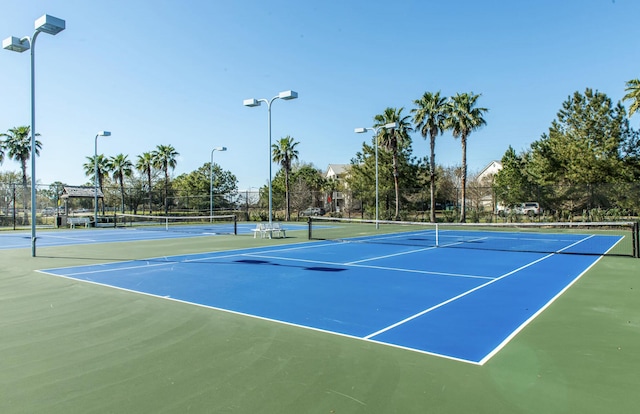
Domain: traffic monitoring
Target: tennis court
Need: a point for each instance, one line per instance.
(130, 233)
(455, 300)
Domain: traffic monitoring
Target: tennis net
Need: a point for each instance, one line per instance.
(595, 238)
(226, 224)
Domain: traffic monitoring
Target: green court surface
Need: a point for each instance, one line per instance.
(72, 347)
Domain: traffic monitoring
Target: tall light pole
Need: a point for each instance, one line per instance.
(95, 175)
(286, 95)
(50, 25)
(211, 182)
(376, 130)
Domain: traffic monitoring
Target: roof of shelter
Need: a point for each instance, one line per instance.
(80, 192)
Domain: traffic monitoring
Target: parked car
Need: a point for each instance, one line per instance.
(313, 211)
(530, 208)
(49, 211)
(10, 211)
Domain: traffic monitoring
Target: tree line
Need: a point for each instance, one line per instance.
(432, 116)
(589, 157)
(163, 158)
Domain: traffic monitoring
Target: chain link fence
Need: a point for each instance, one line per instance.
(559, 203)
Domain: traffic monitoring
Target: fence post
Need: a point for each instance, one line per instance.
(636, 240)
(13, 215)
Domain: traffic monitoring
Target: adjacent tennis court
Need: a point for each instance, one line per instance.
(130, 232)
(419, 289)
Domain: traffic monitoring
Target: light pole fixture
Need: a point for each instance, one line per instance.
(211, 182)
(376, 131)
(286, 95)
(50, 25)
(95, 175)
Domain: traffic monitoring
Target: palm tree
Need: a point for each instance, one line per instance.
(121, 167)
(164, 157)
(429, 118)
(464, 117)
(18, 146)
(144, 164)
(633, 94)
(394, 140)
(284, 153)
(103, 169)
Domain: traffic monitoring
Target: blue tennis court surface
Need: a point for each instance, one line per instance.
(463, 304)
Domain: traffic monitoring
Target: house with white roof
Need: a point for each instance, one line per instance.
(486, 175)
(484, 183)
(337, 200)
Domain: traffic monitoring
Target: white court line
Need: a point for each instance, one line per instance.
(553, 299)
(375, 238)
(392, 255)
(395, 269)
(143, 263)
(398, 235)
(243, 252)
(535, 315)
(463, 294)
(426, 272)
(95, 271)
(558, 237)
(81, 239)
(210, 255)
(414, 251)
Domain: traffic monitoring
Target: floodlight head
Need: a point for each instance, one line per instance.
(288, 95)
(391, 125)
(104, 133)
(220, 149)
(251, 102)
(360, 130)
(15, 44)
(49, 24)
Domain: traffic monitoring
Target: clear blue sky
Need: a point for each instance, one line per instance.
(176, 72)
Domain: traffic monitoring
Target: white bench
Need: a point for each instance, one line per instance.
(74, 221)
(269, 229)
(277, 229)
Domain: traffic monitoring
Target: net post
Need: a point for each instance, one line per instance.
(636, 240)
(309, 227)
(437, 242)
(235, 225)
